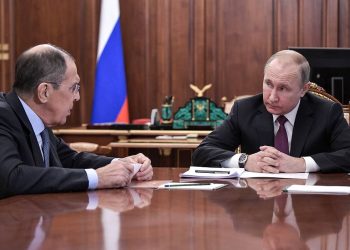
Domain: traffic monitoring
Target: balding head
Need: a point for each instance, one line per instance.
(290, 58)
(41, 63)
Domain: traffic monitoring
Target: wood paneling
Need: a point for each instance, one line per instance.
(169, 44)
(6, 53)
(69, 24)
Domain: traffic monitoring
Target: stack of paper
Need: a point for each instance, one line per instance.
(218, 173)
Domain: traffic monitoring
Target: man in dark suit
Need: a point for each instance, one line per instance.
(317, 137)
(32, 158)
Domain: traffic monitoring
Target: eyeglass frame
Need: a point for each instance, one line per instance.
(75, 88)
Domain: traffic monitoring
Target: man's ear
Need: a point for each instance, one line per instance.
(43, 92)
(305, 88)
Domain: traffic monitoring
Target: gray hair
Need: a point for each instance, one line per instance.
(296, 58)
(41, 63)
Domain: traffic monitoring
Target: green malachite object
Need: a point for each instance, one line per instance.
(167, 110)
(167, 113)
(199, 112)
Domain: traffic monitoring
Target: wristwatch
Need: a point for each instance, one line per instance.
(242, 160)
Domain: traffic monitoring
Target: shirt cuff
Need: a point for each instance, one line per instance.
(311, 165)
(92, 177)
(231, 162)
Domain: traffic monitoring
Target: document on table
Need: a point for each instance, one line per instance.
(215, 173)
(219, 173)
(306, 189)
(191, 186)
(247, 174)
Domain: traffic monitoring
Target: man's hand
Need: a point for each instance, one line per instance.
(270, 160)
(146, 171)
(280, 161)
(114, 175)
(255, 164)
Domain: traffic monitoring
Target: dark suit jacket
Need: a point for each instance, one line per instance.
(320, 131)
(21, 160)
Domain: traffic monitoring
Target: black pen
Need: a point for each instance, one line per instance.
(185, 184)
(212, 172)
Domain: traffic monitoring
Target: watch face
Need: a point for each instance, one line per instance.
(242, 158)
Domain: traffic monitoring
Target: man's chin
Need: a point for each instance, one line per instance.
(274, 111)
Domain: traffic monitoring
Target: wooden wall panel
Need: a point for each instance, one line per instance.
(286, 28)
(69, 24)
(135, 38)
(311, 22)
(330, 23)
(344, 23)
(6, 53)
(169, 44)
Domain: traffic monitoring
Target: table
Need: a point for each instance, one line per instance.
(228, 218)
(173, 151)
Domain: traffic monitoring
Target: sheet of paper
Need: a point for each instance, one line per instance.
(247, 174)
(191, 186)
(137, 167)
(212, 173)
(306, 189)
(219, 173)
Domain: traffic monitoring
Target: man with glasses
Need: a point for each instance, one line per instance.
(32, 158)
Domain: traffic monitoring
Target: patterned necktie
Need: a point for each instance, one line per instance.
(281, 139)
(46, 147)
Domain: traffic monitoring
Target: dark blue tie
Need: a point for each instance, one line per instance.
(46, 147)
(281, 139)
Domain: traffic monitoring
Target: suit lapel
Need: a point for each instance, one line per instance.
(263, 124)
(302, 127)
(14, 102)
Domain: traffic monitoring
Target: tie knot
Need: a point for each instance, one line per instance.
(282, 120)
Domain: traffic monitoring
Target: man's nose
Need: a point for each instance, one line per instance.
(273, 96)
(77, 96)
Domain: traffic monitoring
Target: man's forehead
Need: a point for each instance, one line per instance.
(71, 71)
(278, 69)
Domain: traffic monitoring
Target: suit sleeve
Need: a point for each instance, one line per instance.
(20, 175)
(338, 134)
(219, 145)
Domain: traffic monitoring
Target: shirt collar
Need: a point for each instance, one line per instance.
(37, 124)
(291, 115)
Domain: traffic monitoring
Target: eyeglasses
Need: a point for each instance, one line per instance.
(74, 89)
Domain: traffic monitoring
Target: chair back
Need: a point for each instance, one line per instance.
(319, 91)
